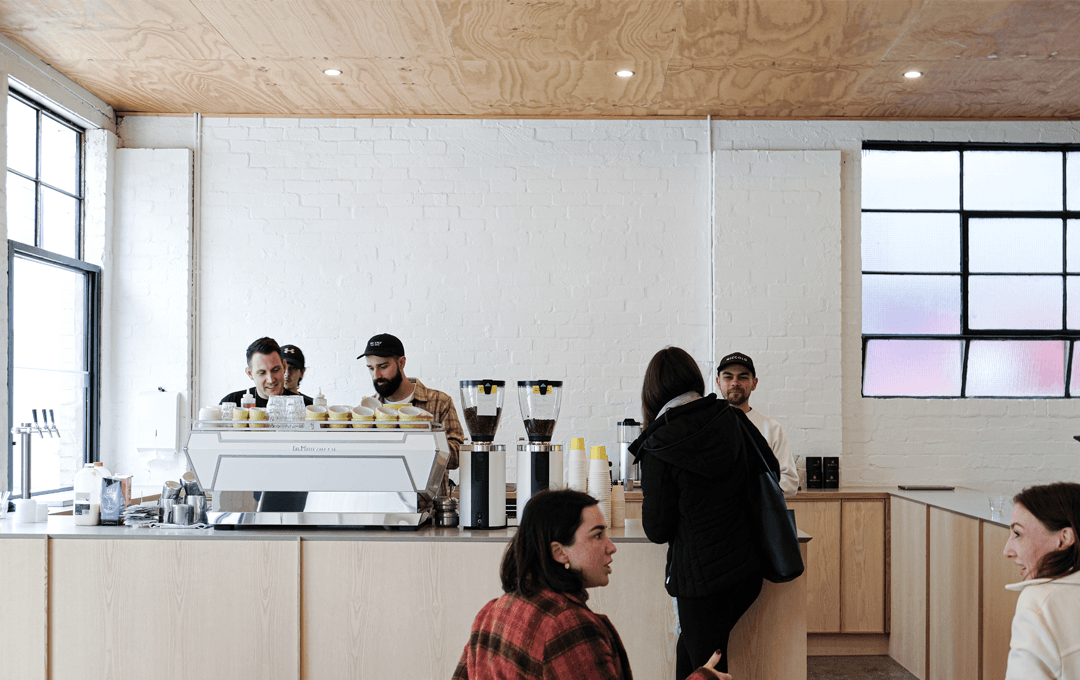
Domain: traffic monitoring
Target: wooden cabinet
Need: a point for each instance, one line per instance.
(822, 521)
(846, 570)
(997, 571)
(908, 526)
(862, 566)
(951, 615)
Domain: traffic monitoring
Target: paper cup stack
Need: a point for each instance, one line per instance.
(600, 480)
(618, 506)
(577, 468)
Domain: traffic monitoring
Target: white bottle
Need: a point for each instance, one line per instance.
(247, 401)
(319, 399)
(87, 510)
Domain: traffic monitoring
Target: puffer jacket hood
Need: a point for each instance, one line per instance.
(691, 444)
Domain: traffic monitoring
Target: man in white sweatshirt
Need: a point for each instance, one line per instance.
(736, 378)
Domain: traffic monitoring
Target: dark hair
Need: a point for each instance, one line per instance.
(528, 565)
(263, 346)
(1056, 506)
(670, 373)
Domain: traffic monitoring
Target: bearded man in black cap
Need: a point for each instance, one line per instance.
(385, 357)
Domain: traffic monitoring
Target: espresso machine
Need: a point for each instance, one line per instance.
(482, 472)
(539, 462)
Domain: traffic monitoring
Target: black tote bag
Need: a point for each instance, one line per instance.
(773, 524)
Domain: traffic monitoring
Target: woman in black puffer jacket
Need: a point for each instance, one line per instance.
(694, 478)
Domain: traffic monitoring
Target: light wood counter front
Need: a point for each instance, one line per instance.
(117, 603)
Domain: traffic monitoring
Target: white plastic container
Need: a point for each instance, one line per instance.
(247, 401)
(87, 510)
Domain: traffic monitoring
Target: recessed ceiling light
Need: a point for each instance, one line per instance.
(624, 73)
(913, 74)
(332, 72)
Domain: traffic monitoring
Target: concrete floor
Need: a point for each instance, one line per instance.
(855, 668)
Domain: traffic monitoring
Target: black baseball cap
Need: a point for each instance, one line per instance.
(293, 356)
(383, 345)
(737, 358)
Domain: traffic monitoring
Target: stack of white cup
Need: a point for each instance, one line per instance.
(577, 470)
(618, 506)
(600, 481)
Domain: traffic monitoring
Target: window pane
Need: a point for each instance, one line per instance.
(1073, 295)
(1074, 381)
(1015, 245)
(920, 305)
(1072, 182)
(20, 209)
(912, 180)
(1016, 368)
(1073, 244)
(21, 137)
(1014, 302)
(1012, 180)
(59, 155)
(913, 368)
(59, 222)
(911, 242)
(49, 358)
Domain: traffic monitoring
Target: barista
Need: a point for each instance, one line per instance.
(294, 367)
(385, 357)
(267, 370)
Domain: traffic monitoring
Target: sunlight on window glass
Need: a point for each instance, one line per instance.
(20, 209)
(59, 222)
(1072, 248)
(1015, 245)
(21, 138)
(911, 242)
(59, 155)
(911, 180)
(1072, 184)
(1072, 316)
(1015, 302)
(1016, 368)
(1012, 180)
(913, 368)
(920, 305)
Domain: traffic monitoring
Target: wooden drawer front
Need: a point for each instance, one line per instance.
(862, 567)
(998, 604)
(821, 519)
(954, 597)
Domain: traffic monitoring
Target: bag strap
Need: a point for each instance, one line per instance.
(761, 456)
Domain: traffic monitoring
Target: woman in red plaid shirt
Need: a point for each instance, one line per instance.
(542, 628)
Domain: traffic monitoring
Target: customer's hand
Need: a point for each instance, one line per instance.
(710, 666)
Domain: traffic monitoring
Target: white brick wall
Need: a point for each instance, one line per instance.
(146, 340)
(575, 250)
(778, 283)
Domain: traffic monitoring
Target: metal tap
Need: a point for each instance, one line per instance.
(41, 431)
(52, 416)
(25, 431)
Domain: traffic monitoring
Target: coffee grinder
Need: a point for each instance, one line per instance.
(539, 462)
(629, 469)
(482, 473)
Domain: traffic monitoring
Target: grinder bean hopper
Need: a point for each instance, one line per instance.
(539, 462)
(482, 472)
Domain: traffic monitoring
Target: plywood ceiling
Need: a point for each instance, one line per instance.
(761, 59)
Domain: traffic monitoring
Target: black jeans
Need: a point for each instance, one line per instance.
(706, 623)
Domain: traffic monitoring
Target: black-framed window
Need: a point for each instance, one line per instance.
(53, 300)
(970, 270)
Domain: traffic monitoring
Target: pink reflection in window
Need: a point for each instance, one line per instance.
(1016, 368)
(914, 305)
(913, 368)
